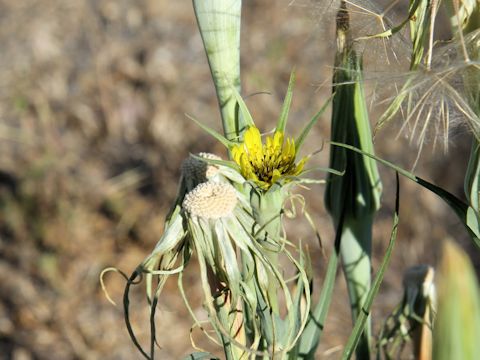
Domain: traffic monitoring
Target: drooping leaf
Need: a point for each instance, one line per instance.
(457, 205)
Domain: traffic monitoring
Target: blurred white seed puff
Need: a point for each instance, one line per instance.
(196, 171)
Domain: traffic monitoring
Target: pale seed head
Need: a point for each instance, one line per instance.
(211, 200)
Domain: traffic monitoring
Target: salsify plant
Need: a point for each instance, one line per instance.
(228, 214)
(227, 217)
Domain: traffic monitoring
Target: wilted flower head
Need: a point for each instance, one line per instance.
(267, 163)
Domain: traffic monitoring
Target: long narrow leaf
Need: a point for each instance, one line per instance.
(227, 143)
(299, 141)
(457, 205)
(313, 330)
(363, 317)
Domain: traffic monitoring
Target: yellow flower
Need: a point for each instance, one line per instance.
(266, 163)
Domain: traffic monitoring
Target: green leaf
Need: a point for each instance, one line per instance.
(227, 143)
(457, 322)
(310, 338)
(299, 141)
(282, 120)
(360, 188)
(472, 221)
(457, 205)
(359, 327)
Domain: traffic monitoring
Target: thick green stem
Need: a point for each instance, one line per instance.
(355, 249)
(231, 320)
(267, 208)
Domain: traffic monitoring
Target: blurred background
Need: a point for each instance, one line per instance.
(93, 96)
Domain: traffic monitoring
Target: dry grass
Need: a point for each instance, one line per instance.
(92, 133)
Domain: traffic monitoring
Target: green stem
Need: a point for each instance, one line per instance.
(355, 253)
(267, 208)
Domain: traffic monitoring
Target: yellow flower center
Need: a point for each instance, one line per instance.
(266, 163)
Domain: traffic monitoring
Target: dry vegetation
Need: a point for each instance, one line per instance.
(92, 133)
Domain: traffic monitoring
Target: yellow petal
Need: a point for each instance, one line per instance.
(276, 175)
(289, 150)
(252, 138)
(269, 142)
(300, 165)
(237, 151)
(264, 185)
(278, 141)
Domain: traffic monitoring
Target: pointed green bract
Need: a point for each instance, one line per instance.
(303, 135)
(227, 143)
(282, 120)
(244, 112)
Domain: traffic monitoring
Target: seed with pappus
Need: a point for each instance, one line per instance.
(211, 200)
